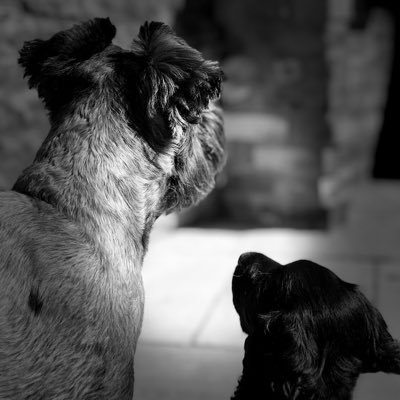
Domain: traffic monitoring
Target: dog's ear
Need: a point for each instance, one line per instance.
(46, 61)
(389, 356)
(383, 353)
(174, 74)
(380, 351)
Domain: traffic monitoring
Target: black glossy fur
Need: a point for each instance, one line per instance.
(134, 134)
(310, 334)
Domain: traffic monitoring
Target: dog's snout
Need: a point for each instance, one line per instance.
(246, 263)
(252, 262)
(246, 258)
(251, 258)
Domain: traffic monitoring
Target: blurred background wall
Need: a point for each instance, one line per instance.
(306, 104)
(304, 97)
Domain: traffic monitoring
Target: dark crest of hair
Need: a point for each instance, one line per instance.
(167, 81)
(176, 71)
(160, 82)
(49, 63)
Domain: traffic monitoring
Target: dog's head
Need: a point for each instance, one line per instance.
(173, 88)
(159, 94)
(310, 332)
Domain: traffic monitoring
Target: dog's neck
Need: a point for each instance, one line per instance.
(252, 382)
(255, 386)
(256, 382)
(92, 169)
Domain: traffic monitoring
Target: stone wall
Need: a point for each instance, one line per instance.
(303, 98)
(303, 101)
(359, 63)
(23, 122)
(275, 102)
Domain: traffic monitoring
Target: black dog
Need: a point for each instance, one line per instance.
(134, 134)
(310, 334)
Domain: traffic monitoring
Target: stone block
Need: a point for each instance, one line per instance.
(341, 10)
(284, 160)
(253, 127)
(270, 200)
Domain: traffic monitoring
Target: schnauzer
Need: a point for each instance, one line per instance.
(134, 134)
(310, 334)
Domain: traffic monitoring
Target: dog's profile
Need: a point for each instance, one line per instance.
(134, 134)
(310, 334)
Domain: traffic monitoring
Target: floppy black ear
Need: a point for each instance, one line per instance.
(45, 61)
(384, 352)
(389, 357)
(381, 351)
(174, 74)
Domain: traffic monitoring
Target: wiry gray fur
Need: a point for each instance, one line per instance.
(74, 229)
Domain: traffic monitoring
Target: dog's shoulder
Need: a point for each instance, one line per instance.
(33, 222)
(37, 242)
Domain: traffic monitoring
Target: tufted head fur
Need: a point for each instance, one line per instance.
(310, 334)
(64, 65)
(161, 80)
(156, 99)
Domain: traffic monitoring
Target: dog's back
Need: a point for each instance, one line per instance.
(56, 330)
(134, 134)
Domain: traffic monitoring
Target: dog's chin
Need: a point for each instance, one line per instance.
(176, 198)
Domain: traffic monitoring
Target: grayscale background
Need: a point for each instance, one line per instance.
(310, 106)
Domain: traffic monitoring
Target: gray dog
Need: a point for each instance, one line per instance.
(134, 134)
